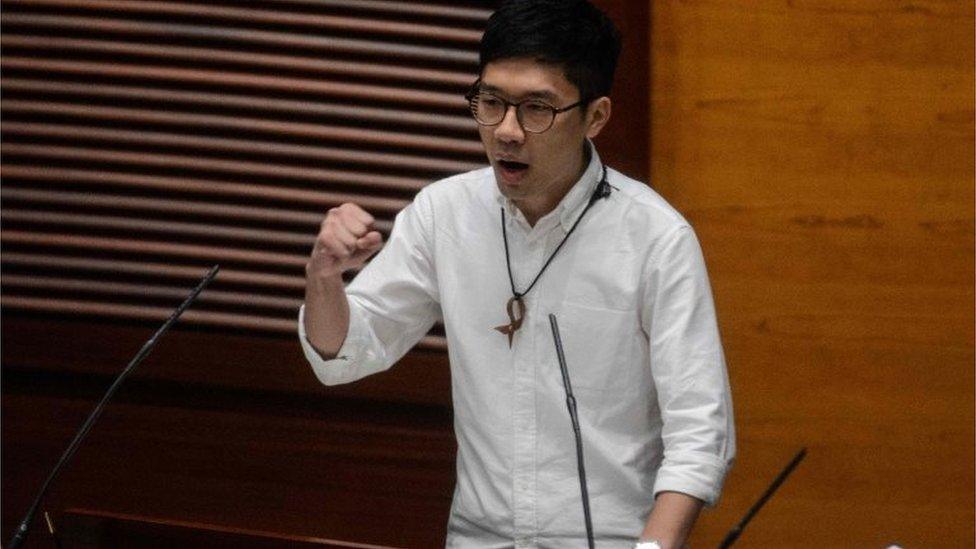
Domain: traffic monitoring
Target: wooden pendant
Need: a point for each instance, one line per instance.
(516, 312)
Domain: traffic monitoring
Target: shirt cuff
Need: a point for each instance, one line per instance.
(696, 474)
(349, 362)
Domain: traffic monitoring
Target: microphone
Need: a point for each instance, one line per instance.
(571, 404)
(21, 534)
(780, 478)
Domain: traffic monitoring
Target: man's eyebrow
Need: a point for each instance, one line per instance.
(539, 94)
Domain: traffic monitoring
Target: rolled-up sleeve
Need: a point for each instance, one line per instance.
(689, 370)
(393, 302)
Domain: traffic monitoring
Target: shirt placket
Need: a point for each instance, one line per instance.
(528, 257)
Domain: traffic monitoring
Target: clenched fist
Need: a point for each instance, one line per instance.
(345, 241)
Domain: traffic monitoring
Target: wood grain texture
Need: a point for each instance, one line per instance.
(624, 142)
(181, 133)
(322, 468)
(84, 529)
(823, 151)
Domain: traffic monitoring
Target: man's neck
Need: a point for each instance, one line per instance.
(535, 208)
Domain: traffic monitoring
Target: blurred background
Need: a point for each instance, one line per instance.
(822, 149)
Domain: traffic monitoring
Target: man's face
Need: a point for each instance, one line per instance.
(535, 169)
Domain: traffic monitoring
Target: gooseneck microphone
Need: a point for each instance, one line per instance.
(21, 534)
(571, 404)
(780, 478)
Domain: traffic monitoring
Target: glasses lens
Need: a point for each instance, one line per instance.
(487, 109)
(536, 116)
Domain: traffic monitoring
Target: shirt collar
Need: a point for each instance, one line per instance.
(571, 205)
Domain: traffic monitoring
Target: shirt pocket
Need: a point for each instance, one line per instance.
(602, 347)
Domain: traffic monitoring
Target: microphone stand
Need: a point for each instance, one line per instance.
(571, 404)
(780, 478)
(22, 530)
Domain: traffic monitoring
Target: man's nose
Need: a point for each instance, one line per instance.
(509, 130)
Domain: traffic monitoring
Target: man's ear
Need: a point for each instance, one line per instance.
(598, 113)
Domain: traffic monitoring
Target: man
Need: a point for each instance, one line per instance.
(546, 229)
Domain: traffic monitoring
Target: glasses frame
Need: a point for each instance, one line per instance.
(475, 91)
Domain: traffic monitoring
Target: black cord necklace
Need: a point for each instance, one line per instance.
(516, 305)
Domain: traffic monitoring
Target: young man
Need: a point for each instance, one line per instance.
(546, 229)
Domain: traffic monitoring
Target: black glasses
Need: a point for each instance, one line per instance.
(534, 116)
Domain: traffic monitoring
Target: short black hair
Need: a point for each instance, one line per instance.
(572, 34)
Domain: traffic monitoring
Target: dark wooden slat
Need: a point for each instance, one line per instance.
(317, 22)
(247, 124)
(223, 100)
(167, 228)
(80, 287)
(170, 270)
(259, 61)
(41, 175)
(139, 312)
(182, 275)
(223, 145)
(323, 44)
(426, 9)
(167, 206)
(257, 82)
(239, 167)
(186, 251)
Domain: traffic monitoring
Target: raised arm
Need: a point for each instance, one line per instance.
(345, 241)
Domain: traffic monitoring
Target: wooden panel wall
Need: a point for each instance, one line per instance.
(144, 141)
(824, 152)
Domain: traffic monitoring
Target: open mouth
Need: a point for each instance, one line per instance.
(512, 166)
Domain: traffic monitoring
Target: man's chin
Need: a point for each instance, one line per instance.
(513, 192)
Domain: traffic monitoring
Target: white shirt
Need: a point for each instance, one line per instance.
(637, 322)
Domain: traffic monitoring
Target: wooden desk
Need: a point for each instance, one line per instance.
(87, 529)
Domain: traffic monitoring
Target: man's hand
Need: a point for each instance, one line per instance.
(672, 518)
(345, 241)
